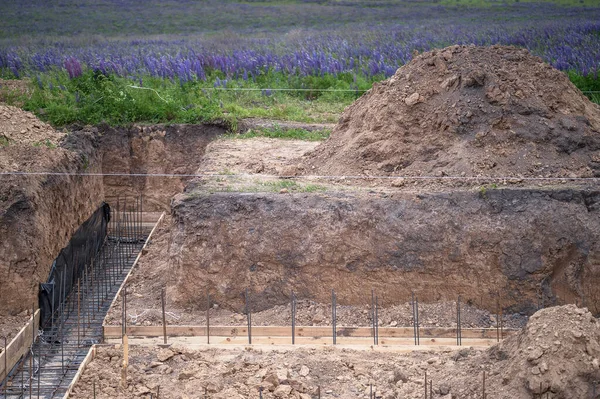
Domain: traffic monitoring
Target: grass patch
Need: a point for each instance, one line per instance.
(290, 185)
(278, 132)
(94, 98)
(4, 141)
(44, 143)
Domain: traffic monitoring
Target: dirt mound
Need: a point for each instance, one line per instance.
(22, 127)
(467, 111)
(558, 354)
(555, 356)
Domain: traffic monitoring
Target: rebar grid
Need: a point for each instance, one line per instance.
(76, 321)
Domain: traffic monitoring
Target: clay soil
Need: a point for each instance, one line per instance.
(154, 272)
(556, 355)
(30, 145)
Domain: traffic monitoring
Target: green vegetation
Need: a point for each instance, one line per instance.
(4, 141)
(258, 186)
(45, 143)
(94, 98)
(278, 132)
(588, 84)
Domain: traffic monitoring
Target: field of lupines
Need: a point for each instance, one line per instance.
(190, 48)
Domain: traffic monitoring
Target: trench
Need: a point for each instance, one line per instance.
(508, 248)
(86, 277)
(73, 322)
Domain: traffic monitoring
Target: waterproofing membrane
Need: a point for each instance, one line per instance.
(70, 263)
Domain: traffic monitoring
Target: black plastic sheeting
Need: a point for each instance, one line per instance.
(71, 261)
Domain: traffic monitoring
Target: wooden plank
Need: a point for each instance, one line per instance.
(19, 345)
(301, 331)
(269, 343)
(88, 358)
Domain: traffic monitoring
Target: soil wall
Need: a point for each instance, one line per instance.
(160, 149)
(528, 245)
(39, 214)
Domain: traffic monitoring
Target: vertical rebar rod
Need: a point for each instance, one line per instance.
(333, 316)
(412, 294)
(425, 384)
(376, 320)
(62, 343)
(293, 318)
(78, 312)
(373, 316)
(5, 366)
(124, 232)
(93, 290)
(164, 319)
(207, 316)
(31, 358)
(30, 373)
(123, 313)
(22, 367)
(249, 317)
(497, 320)
(484, 385)
(417, 314)
(39, 365)
(142, 206)
(430, 389)
(501, 321)
(458, 323)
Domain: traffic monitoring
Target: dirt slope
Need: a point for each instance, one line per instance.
(466, 111)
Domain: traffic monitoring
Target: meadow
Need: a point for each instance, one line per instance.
(123, 61)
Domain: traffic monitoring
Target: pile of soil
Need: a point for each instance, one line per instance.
(466, 111)
(555, 355)
(22, 127)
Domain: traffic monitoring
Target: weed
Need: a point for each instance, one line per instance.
(4, 141)
(277, 132)
(44, 143)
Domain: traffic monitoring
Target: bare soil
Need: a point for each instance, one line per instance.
(11, 325)
(155, 272)
(466, 111)
(556, 355)
(22, 127)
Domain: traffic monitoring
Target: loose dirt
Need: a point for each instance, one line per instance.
(466, 111)
(557, 355)
(252, 156)
(22, 127)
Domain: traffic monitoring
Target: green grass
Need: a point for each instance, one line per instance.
(4, 141)
(278, 132)
(45, 143)
(95, 98)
